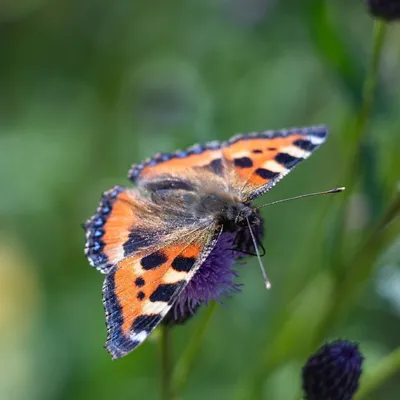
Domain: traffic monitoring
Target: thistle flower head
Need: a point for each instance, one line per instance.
(216, 276)
(388, 10)
(333, 372)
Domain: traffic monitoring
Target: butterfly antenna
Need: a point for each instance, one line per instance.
(266, 280)
(336, 190)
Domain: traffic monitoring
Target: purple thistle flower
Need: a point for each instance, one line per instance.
(333, 372)
(388, 10)
(215, 277)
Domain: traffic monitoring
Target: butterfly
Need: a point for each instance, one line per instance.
(150, 240)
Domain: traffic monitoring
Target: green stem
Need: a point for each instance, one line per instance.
(371, 80)
(360, 267)
(165, 358)
(365, 112)
(253, 388)
(183, 365)
(381, 373)
(363, 266)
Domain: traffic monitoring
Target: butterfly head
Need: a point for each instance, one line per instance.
(236, 217)
(246, 215)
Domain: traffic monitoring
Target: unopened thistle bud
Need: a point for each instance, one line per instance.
(333, 372)
(387, 10)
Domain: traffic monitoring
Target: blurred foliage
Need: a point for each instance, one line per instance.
(90, 87)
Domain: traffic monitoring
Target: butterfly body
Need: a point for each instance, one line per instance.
(223, 209)
(152, 241)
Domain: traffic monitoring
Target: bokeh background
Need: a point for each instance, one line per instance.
(89, 87)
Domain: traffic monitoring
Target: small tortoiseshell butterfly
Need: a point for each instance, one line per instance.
(151, 240)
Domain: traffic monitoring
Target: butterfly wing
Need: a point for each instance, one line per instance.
(257, 161)
(206, 157)
(122, 225)
(148, 257)
(249, 164)
(141, 289)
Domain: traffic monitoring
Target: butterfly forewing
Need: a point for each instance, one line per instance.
(260, 160)
(207, 156)
(124, 223)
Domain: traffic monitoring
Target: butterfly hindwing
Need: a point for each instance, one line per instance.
(141, 289)
(259, 160)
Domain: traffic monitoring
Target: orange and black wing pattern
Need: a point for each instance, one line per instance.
(122, 225)
(257, 161)
(179, 163)
(250, 164)
(141, 289)
(101, 249)
(147, 258)
(150, 246)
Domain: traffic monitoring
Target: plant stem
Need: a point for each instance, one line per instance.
(165, 358)
(371, 80)
(349, 284)
(253, 389)
(381, 373)
(363, 118)
(186, 360)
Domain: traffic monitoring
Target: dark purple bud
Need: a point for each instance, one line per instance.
(388, 10)
(333, 372)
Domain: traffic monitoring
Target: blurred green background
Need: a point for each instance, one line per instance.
(89, 87)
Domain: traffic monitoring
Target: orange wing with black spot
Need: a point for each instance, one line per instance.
(257, 161)
(180, 162)
(141, 289)
(250, 164)
(110, 236)
(147, 258)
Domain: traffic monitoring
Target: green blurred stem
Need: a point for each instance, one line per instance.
(183, 365)
(365, 112)
(351, 172)
(371, 80)
(347, 286)
(350, 280)
(384, 370)
(165, 358)
(360, 268)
